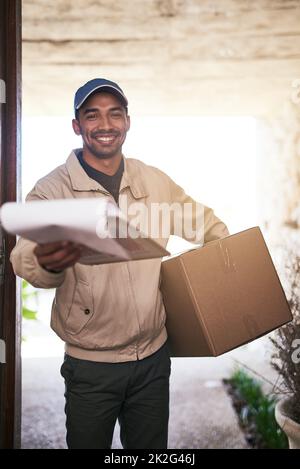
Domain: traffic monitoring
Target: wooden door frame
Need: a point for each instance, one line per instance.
(10, 150)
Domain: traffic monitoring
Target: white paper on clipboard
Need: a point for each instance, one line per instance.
(96, 223)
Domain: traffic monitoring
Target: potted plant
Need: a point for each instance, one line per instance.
(286, 361)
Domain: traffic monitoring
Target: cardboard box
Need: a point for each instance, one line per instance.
(222, 295)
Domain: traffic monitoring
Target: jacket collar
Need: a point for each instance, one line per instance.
(82, 182)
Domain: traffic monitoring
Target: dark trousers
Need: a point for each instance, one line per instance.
(136, 393)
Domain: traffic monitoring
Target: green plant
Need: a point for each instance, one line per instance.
(28, 294)
(256, 411)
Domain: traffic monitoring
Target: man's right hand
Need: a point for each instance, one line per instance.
(57, 256)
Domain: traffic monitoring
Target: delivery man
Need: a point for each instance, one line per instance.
(112, 316)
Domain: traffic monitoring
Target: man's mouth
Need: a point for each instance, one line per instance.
(105, 139)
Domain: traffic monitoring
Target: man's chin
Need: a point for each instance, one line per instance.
(104, 156)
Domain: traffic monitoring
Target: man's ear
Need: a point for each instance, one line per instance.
(76, 127)
(128, 123)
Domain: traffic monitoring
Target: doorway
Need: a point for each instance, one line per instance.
(10, 112)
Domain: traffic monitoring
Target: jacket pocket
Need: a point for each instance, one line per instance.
(81, 311)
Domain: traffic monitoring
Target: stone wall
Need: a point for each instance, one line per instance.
(171, 56)
(279, 174)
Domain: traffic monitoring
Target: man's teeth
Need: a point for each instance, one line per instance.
(105, 139)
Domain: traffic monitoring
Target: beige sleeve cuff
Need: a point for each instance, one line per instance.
(26, 266)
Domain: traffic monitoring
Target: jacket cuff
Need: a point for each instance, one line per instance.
(43, 278)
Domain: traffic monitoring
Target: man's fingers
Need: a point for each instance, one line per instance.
(63, 263)
(49, 248)
(58, 255)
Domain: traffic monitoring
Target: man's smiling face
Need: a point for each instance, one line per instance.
(103, 124)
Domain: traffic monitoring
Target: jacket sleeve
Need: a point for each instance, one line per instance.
(25, 263)
(192, 220)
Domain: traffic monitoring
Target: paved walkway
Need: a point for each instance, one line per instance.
(201, 415)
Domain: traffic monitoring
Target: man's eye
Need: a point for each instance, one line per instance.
(116, 114)
(91, 116)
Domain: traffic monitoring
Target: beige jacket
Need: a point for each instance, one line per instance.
(111, 312)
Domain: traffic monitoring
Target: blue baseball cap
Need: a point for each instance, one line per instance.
(100, 84)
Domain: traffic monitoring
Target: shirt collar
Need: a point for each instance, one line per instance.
(131, 178)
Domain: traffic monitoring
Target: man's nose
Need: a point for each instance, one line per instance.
(105, 123)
